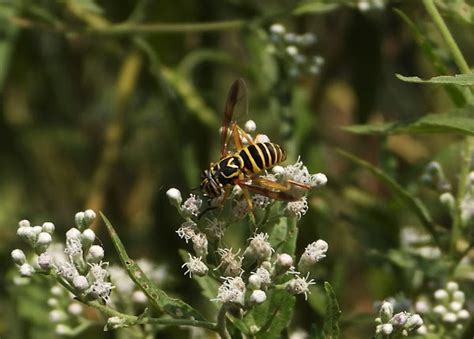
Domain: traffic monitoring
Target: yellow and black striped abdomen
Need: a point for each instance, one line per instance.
(260, 156)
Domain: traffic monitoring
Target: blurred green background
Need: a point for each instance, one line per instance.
(110, 118)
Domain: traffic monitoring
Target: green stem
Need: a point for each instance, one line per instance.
(129, 28)
(468, 149)
(221, 323)
(443, 29)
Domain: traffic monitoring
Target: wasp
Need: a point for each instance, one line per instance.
(242, 166)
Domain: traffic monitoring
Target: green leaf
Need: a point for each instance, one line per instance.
(457, 122)
(158, 298)
(333, 313)
(457, 79)
(410, 201)
(277, 315)
(455, 93)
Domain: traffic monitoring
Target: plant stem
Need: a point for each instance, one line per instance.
(443, 29)
(221, 323)
(468, 148)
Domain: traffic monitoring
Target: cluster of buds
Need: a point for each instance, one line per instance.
(401, 324)
(433, 177)
(65, 314)
(290, 48)
(448, 311)
(77, 265)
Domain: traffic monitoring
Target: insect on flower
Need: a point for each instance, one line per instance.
(242, 166)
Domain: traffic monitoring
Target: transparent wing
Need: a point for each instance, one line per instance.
(236, 105)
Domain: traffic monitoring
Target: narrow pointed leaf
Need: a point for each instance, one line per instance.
(459, 121)
(410, 201)
(333, 313)
(158, 298)
(457, 79)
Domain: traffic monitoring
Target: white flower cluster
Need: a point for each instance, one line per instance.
(402, 323)
(448, 310)
(291, 49)
(79, 265)
(64, 313)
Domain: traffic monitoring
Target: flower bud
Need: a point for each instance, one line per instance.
(62, 329)
(74, 308)
(277, 29)
(24, 223)
(175, 196)
(459, 296)
(452, 286)
(115, 322)
(278, 170)
(87, 237)
(95, 254)
(258, 297)
(399, 319)
(139, 297)
(26, 270)
(441, 295)
(42, 242)
(262, 138)
(450, 317)
(386, 329)
(80, 282)
(463, 314)
(439, 309)
(37, 230)
(48, 227)
(386, 311)
(413, 322)
(45, 261)
(255, 282)
(447, 200)
(56, 316)
(18, 257)
(73, 233)
(89, 217)
(79, 219)
(320, 179)
(250, 126)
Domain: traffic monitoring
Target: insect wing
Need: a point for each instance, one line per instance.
(236, 106)
(268, 192)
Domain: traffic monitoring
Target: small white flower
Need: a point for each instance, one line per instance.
(37, 230)
(98, 272)
(24, 223)
(292, 50)
(297, 208)
(187, 230)
(89, 216)
(53, 302)
(422, 306)
(399, 319)
(459, 296)
(259, 247)
(56, 316)
(195, 266)
(452, 286)
(260, 201)
(299, 173)
(215, 228)
(100, 290)
(422, 330)
(264, 277)
(320, 179)
(200, 243)
(414, 321)
(26, 270)
(18, 257)
(231, 263)
(262, 138)
(87, 237)
(440, 309)
(258, 297)
(232, 291)
(56, 290)
(250, 126)
(175, 196)
(74, 308)
(277, 28)
(48, 227)
(463, 314)
(278, 170)
(73, 233)
(240, 209)
(441, 295)
(95, 254)
(450, 317)
(386, 329)
(67, 270)
(139, 297)
(45, 261)
(79, 219)
(254, 282)
(300, 285)
(73, 248)
(80, 282)
(192, 205)
(386, 311)
(44, 239)
(455, 306)
(284, 261)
